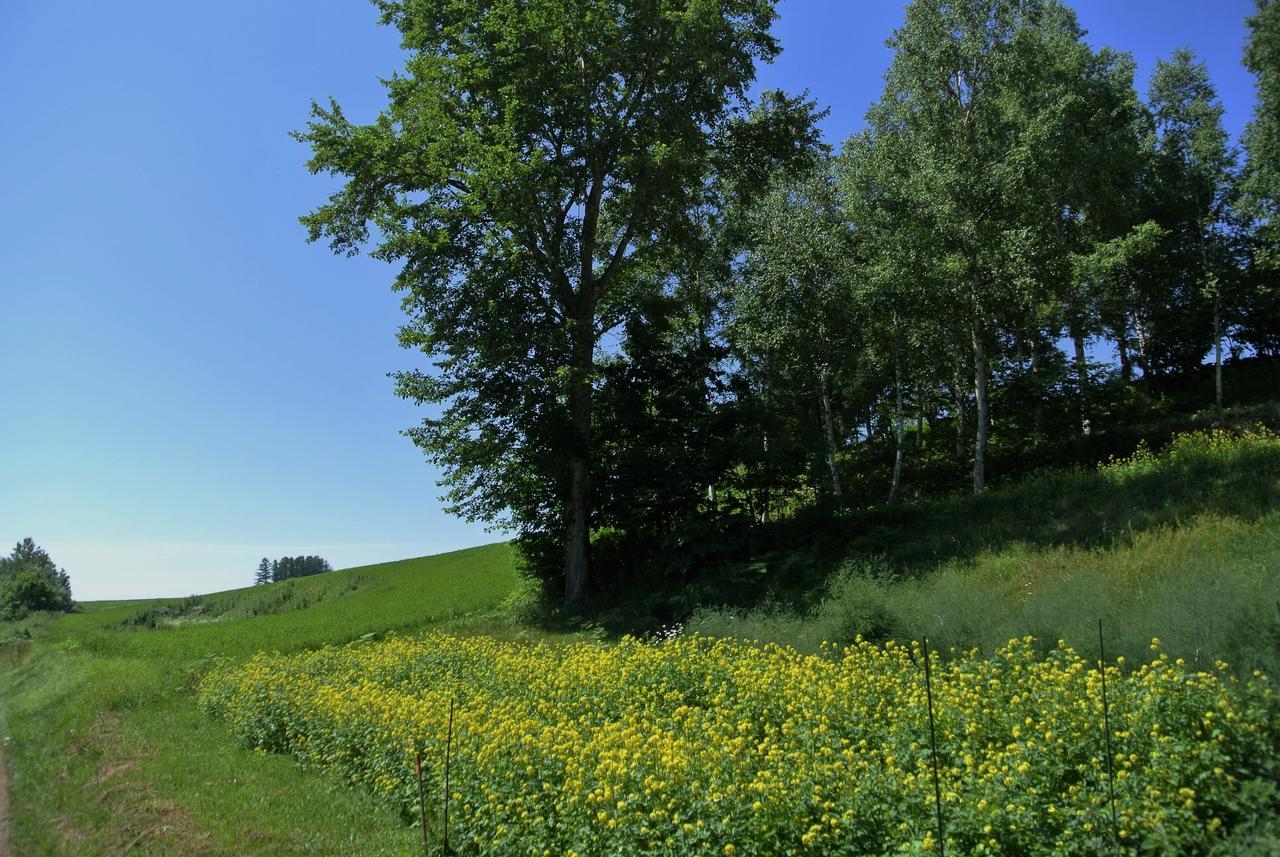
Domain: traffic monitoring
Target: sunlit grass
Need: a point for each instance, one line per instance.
(108, 752)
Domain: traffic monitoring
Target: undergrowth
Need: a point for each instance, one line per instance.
(1183, 545)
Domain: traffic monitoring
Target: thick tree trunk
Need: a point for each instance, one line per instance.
(577, 536)
(897, 419)
(578, 507)
(828, 425)
(980, 398)
(1082, 378)
(1217, 349)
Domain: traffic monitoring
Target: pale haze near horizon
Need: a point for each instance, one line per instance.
(189, 385)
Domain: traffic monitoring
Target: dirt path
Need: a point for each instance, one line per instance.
(4, 804)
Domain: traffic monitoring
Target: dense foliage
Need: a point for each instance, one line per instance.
(660, 320)
(1260, 185)
(533, 160)
(29, 581)
(698, 746)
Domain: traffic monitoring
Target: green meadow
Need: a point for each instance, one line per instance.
(108, 754)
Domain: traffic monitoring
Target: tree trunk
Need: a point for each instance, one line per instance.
(919, 418)
(1122, 348)
(1037, 410)
(578, 507)
(1141, 333)
(764, 491)
(897, 419)
(828, 425)
(1217, 349)
(577, 535)
(958, 386)
(980, 397)
(1082, 378)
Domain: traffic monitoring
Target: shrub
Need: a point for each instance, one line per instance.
(29, 581)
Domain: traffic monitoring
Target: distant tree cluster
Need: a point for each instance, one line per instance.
(30, 581)
(275, 570)
(661, 317)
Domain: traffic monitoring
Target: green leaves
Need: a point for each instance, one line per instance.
(534, 156)
(29, 580)
(1260, 182)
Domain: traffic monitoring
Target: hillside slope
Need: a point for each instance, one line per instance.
(108, 754)
(1181, 544)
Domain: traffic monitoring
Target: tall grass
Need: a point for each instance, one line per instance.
(1183, 546)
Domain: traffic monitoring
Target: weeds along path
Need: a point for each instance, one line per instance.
(4, 804)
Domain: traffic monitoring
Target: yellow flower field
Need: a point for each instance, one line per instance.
(709, 746)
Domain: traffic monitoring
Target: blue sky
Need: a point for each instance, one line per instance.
(188, 385)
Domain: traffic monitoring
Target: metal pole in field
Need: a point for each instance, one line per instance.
(448, 749)
(1106, 731)
(422, 803)
(933, 745)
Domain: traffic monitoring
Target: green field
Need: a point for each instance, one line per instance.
(109, 753)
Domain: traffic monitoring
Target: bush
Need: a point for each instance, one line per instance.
(27, 590)
(29, 581)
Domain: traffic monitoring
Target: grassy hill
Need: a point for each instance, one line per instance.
(308, 611)
(108, 754)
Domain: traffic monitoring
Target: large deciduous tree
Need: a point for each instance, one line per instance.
(531, 155)
(793, 304)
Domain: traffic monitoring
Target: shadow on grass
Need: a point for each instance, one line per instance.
(1213, 473)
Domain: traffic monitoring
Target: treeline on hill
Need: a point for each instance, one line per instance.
(286, 567)
(30, 581)
(661, 317)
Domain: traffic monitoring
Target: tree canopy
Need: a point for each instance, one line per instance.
(659, 317)
(532, 158)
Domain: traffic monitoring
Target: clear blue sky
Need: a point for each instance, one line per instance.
(187, 384)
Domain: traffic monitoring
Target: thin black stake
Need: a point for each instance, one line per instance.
(1106, 730)
(448, 750)
(422, 804)
(933, 745)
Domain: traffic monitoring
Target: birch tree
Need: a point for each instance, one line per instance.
(1195, 163)
(793, 305)
(955, 108)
